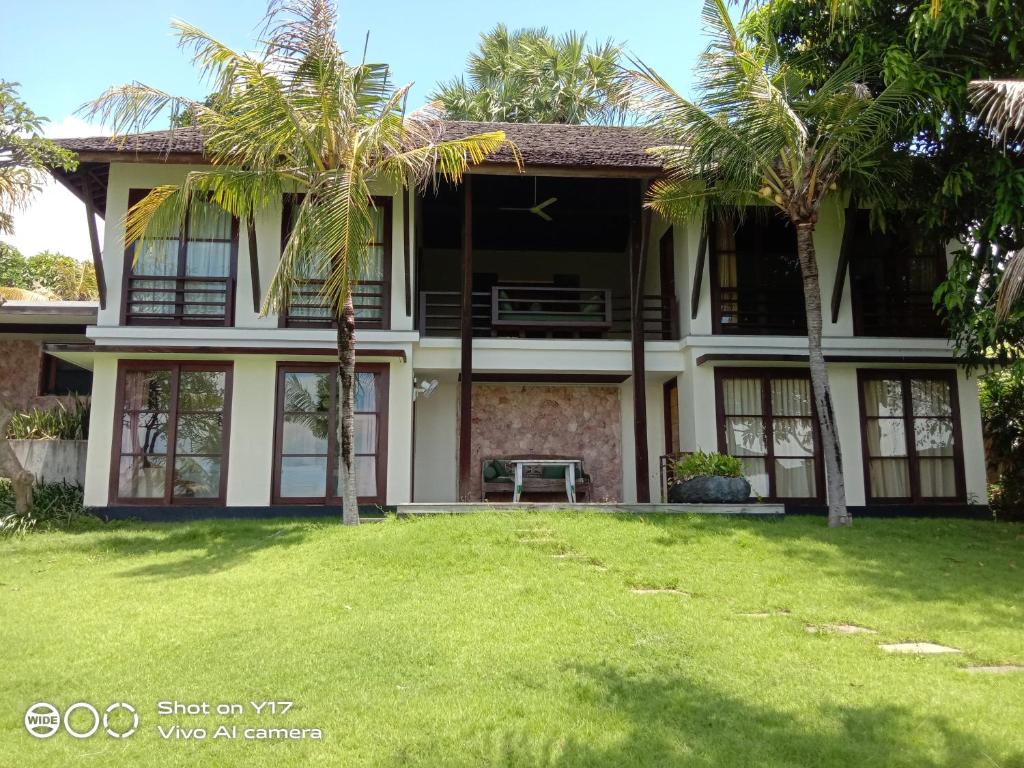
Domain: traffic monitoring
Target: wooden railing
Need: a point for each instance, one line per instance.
(896, 313)
(546, 311)
(760, 311)
(174, 300)
(307, 308)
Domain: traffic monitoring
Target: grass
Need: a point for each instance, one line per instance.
(518, 640)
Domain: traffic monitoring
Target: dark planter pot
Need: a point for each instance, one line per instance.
(710, 489)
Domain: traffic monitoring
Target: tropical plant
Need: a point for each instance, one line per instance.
(57, 423)
(297, 116)
(54, 505)
(761, 134)
(531, 76)
(701, 464)
(24, 154)
(1001, 394)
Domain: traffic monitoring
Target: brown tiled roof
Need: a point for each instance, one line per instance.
(540, 144)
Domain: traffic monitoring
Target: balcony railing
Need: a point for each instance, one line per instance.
(760, 312)
(897, 313)
(307, 308)
(174, 300)
(545, 311)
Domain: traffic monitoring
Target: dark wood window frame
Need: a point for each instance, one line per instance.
(48, 377)
(176, 366)
(765, 375)
(381, 370)
(134, 196)
(670, 393)
(717, 326)
(913, 460)
(384, 203)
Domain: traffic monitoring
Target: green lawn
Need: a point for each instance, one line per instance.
(518, 640)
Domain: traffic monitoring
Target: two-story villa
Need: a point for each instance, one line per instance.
(556, 315)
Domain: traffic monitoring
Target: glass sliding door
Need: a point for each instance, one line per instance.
(171, 436)
(911, 433)
(307, 458)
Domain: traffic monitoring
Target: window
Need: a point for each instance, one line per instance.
(910, 427)
(371, 293)
(307, 456)
(671, 396)
(766, 419)
(756, 284)
(171, 433)
(186, 280)
(59, 377)
(892, 280)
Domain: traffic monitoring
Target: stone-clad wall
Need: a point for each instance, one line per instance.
(20, 367)
(580, 420)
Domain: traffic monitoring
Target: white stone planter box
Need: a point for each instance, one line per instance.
(53, 461)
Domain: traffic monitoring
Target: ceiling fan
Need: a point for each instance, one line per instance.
(536, 208)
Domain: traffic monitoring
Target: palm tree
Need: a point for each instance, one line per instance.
(296, 116)
(1000, 105)
(531, 76)
(760, 133)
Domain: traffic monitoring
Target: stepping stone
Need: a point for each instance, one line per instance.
(994, 669)
(842, 629)
(926, 648)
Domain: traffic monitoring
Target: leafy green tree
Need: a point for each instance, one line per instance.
(88, 290)
(24, 154)
(56, 273)
(962, 186)
(14, 272)
(760, 132)
(531, 76)
(297, 115)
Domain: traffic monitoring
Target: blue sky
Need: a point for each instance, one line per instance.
(65, 53)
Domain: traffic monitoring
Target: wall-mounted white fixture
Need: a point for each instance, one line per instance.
(423, 388)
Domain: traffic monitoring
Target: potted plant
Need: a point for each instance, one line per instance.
(708, 478)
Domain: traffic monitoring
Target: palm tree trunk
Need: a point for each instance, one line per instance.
(346, 411)
(834, 483)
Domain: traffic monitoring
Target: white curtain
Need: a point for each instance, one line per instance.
(208, 254)
(744, 430)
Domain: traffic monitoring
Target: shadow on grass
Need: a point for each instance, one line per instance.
(203, 547)
(670, 720)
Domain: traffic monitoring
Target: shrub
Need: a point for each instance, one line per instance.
(701, 464)
(1002, 414)
(57, 423)
(54, 505)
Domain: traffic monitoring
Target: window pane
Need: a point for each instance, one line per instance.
(373, 263)
(199, 433)
(303, 476)
(201, 390)
(886, 437)
(307, 392)
(144, 432)
(793, 437)
(938, 479)
(208, 221)
(930, 397)
(744, 436)
(141, 477)
(794, 478)
(304, 433)
(147, 390)
(377, 214)
(883, 397)
(366, 392)
(208, 260)
(791, 397)
(366, 477)
(889, 478)
(933, 437)
(366, 433)
(756, 472)
(196, 477)
(156, 257)
(742, 396)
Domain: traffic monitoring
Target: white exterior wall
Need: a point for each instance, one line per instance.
(423, 466)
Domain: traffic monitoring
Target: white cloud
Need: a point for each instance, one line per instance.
(55, 220)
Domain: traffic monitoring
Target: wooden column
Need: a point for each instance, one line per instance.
(94, 241)
(254, 261)
(849, 233)
(466, 379)
(639, 235)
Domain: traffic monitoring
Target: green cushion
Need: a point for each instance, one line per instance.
(595, 308)
(553, 473)
(504, 304)
(490, 471)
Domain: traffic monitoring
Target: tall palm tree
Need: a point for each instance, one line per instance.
(1000, 105)
(296, 116)
(532, 76)
(761, 133)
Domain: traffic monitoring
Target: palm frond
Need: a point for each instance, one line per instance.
(132, 108)
(1011, 289)
(1000, 104)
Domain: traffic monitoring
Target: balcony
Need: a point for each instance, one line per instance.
(173, 300)
(307, 308)
(540, 311)
(760, 312)
(897, 313)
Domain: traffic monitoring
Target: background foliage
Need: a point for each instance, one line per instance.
(49, 274)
